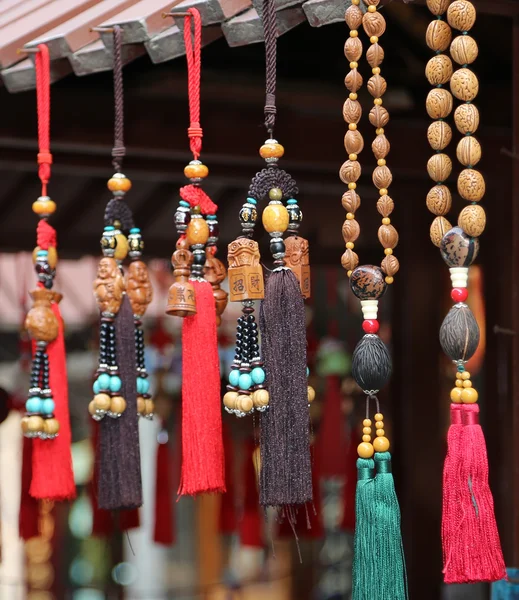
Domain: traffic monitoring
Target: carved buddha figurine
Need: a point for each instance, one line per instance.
(108, 286)
(245, 272)
(215, 273)
(297, 258)
(138, 287)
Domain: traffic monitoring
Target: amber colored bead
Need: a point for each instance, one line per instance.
(381, 162)
(353, 156)
(271, 150)
(348, 273)
(381, 444)
(141, 405)
(465, 375)
(373, 39)
(388, 251)
(311, 394)
(386, 221)
(372, 8)
(365, 450)
(275, 218)
(149, 407)
(367, 422)
(354, 33)
(197, 231)
(379, 417)
(51, 426)
(378, 101)
(467, 383)
(366, 438)
(469, 395)
(366, 430)
(102, 401)
(121, 249)
(459, 383)
(353, 96)
(389, 280)
(44, 206)
(260, 397)
(35, 424)
(379, 425)
(119, 184)
(196, 171)
(118, 405)
(456, 395)
(458, 375)
(350, 216)
(229, 400)
(379, 131)
(350, 245)
(380, 432)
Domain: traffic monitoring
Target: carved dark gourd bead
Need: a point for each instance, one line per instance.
(459, 333)
(371, 364)
(459, 249)
(367, 282)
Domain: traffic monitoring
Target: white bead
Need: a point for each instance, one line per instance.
(369, 308)
(459, 276)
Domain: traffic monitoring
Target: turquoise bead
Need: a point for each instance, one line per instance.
(145, 385)
(234, 377)
(115, 383)
(96, 387)
(48, 406)
(245, 381)
(104, 381)
(258, 375)
(252, 200)
(307, 371)
(292, 201)
(34, 405)
(139, 385)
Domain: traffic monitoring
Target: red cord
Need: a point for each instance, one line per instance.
(193, 50)
(43, 100)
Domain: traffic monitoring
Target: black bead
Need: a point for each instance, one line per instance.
(459, 333)
(277, 247)
(371, 364)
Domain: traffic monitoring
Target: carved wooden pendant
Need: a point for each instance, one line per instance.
(108, 286)
(41, 322)
(215, 272)
(297, 258)
(245, 272)
(138, 287)
(181, 295)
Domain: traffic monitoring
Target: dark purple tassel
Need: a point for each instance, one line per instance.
(120, 485)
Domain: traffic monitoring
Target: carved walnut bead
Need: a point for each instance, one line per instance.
(353, 80)
(353, 49)
(472, 220)
(351, 111)
(464, 85)
(438, 36)
(471, 185)
(351, 201)
(439, 200)
(380, 146)
(439, 228)
(464, 49)
(371, 2)
(353, 17)
(439, 135)
(388, 236)
(350, 230)
(390, 265)
(349, 260)
(382, 177)
(439, 69)
(438, 7)
(439, 103)
(439, 167)
(353, 142)
(377, 86)
(378, 116)
(466, 117)
(468, 151)
(374, 24)
(461, 15)
(385, 205)
(350, 171)
(375, 55)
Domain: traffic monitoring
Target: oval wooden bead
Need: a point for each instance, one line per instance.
(471, 185)
(439, 103)
(439, 200)
(353, 80)
(382, 177)
(350, 201)
(353, 49)
(390, 265)
(371, 2)
(353, 142)
(351, 111)
(439, 135)
(380, 146)
(353, 17)
(438, 36)
(375, 55)
(388, 236)
(350, 230)
(473, 220)
(439, 69)
(385, 205)
(438, 7)
(464, 85)
(464, 49)
(468, 151)
(466, 117)
(377, 86)
(349, 260)
(378, 116)
(439, 228)
(439, 167)
(350, 171)
(374, 24)
(461, 15)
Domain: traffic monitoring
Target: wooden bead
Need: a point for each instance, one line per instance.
(353, 17)
(149, 407)
(51, 426)
(466, 118)
(387, 236)
(469, 396)
(352, 111)
(349, 260)
(117, 405)
(275, 218)
(271, 150)
(24, 423)
(375, 55)
(102, 401)
(373, 23)
(92, 408)
(350, 171)
(353, 49)
(439, 135)
(365, 450)
(439, 167)
(382, 177)
(385, 205)
(439, 103)
(141, 405)
(350, 230)
(438, 36)
(353, 80)
(439, 69)
(350, 201)
(468, 151)
(464, 85)
(390, 265)
(195, 171)
(353, 142)
(229, 400)
(464, 49)
(439, 200)
(439, 228)
(311, 394)
(244, 403)
(377, 86)
(456, 395)
(260, 398)
(438, 7)
(35, 424)
(381, 444)
(380, 146)
(119, 183)
(471, 185)
(461, 15)
(378, 116)
(472, 220)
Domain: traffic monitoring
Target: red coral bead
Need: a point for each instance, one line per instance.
(459, 294)
(370, 325)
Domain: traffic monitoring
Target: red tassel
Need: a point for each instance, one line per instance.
(164, 518)
(251, 524)
(29, 507)
(203, 467)
(53, 478)
(331, 442)
(228, 503)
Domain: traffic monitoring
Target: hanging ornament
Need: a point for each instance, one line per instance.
(121, 387)
(471, 546)
(196, 296)
(47, 416)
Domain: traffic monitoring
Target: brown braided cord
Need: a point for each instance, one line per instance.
(270, 33)
(118, 151)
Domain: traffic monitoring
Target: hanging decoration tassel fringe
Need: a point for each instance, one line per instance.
(28, 518)
(365, 541)
(163, 532)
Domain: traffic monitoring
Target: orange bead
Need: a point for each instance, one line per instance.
(367, 422)
(119, 183)
(365, 450)
(196, 170)
(379, 425)
(381, 444)
(379, 417)
(197, 231)
(469, 396)
(275, 218)
(44, 206)
(271, 150)
(456, 395)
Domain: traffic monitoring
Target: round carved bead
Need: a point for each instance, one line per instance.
(353, 142)
(353, 49)
(377, 86)
(471, 185)
(439, 103)
(466, 117)
(353, 80)
(464, 49)
(351, 111)
(350, 201)
(473, 220)
(350, 230)
(350, 171)
(378, 116)
(438, 7)
(385, 205)
(349, 260)
(367, 282)
(439, 135)
(439, 69)
(375, 55)
(439, 227)
(388, 236)
(439, 167)
(468, 151)
(459, 249)
(439, 200)
(380, 146)
(374, 24)
(382, 177)
(390, 265)
(371, 2)
(461, 15)
(438, 36)
(353, 17)
(464, 85)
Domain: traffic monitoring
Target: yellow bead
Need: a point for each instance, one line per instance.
(353, 65)
(372, 8)
(365, 450)
(456, 395)
(92, 408)
(459, 383)
(244, 403)
(373, 39)
(51, 426)
(458, 375)
(389, 280)
(465, 375)
(44, 206)
(380, 432)
(379, 131)
(469, 395)
(354, 33)
(36, 424)
(379, 425)
(376, 70)
(381, 444)
(350, 216)
(352, 185)
(386, 221)
(388, 251)
(382, 191)
(311, 394)
(355, 2)
(366, 430)
(381, 162)
(102, 401)
(197, 231)
(352, 126)
(149, 407)
(379, 417)
(229, 400)
(118, 405)
(141, 405)
(348, 273)
(275, 218)
(196, 171)
(350, 245)
(352, 157)
(367, 422)
(272, 150)
(121, 250)
(260, 398)
(378, 101)
(467, 383)
(366, 438)
(353, 96)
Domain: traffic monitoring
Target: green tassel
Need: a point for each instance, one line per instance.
(390, 568)
(364, 581)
